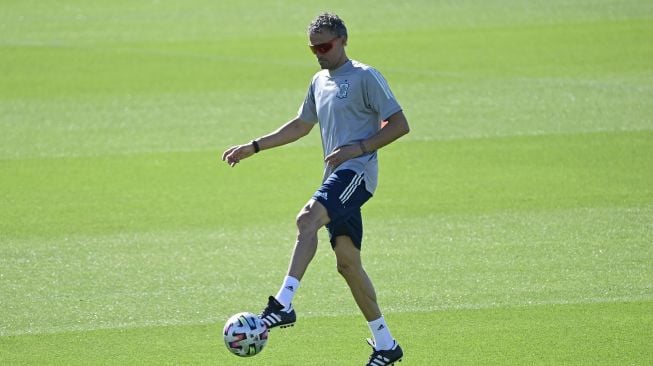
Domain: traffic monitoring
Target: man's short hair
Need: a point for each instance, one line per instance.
(329, 22)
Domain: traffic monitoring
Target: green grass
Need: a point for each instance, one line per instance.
(512, 226)
(596, 334)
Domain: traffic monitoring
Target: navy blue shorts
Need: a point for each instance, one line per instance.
(343, 194)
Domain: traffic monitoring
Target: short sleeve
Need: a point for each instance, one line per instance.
(308, 111)
(378, 95)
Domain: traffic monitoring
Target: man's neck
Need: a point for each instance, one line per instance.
(342, 61)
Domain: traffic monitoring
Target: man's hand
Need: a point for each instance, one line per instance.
(235, 154)
(343, 153)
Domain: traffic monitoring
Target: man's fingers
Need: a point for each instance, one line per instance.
(237, 153)
(232, 160)
(227, 152)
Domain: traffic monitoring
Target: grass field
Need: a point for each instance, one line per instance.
(512, 226)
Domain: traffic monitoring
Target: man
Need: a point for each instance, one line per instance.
(349, 100)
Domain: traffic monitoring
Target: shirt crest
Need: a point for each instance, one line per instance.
(343, 89)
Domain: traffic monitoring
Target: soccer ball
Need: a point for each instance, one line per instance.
(245, 334)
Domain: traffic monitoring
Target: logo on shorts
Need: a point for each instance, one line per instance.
(322, 195)
(343, 89)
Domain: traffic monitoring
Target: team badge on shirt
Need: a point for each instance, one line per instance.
(343, 88)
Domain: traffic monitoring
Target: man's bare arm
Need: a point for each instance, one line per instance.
(289, 132)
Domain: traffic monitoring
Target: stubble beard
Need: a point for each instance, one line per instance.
(323, 64)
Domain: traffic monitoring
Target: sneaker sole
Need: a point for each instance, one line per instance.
(287, 325)
(393, 362)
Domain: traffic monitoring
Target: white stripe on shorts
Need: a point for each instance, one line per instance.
(351, 188)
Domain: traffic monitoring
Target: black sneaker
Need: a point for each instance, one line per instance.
(385, 357)
(274, 316)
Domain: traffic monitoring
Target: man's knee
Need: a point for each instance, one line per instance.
(343, 268)
(305, 222)
(348, 261)
(312, 217)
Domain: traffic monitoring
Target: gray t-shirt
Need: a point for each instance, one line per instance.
(349, 103)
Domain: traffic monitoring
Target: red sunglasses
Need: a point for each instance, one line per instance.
(322, 47)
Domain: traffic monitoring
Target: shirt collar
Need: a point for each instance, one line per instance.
(342, 69)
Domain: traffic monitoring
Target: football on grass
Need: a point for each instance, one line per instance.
(245, 334)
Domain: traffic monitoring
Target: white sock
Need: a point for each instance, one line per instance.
(381, 334)
(287, 291)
